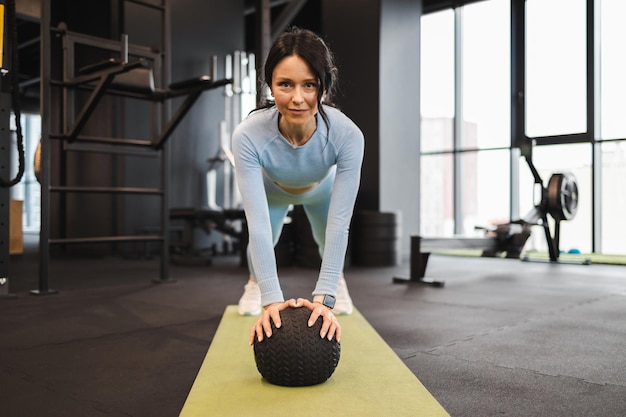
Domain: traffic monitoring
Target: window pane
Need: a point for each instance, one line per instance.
(486, 73)
(28, 189)
(437, 78)
(549, 160)
(436, 134)
(556, 74)
(612, 69)
(613, 198)
(436, 203)
(486, 189)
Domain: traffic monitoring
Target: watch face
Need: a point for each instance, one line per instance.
(329, 301)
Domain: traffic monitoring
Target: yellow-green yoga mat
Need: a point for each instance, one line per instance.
(370, 380)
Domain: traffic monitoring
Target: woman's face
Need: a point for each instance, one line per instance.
(295, 88)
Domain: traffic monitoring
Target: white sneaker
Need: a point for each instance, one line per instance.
(343, 302)
(250, 301)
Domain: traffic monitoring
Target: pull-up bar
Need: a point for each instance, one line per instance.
(137, 80)
(133, 79)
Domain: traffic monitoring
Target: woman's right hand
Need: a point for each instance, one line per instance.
(263, 327)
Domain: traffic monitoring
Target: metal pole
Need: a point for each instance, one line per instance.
(165, 154)
(264, 38)
(5, 170)
(226, 126)
(459, 122)
(518, 137)
(45, 102)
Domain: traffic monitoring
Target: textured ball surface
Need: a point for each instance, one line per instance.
(295, 355)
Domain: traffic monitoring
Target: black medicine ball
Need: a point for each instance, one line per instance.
(295, 355)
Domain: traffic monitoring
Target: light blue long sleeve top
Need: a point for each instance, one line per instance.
(262, 153)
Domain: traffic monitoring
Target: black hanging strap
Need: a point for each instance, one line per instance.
(13, 74)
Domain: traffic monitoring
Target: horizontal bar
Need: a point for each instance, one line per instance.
(110, 71)
(104, 43)
(111, 149)
(159, 95)
(456, 243)
(105, 239)
(34, 41)
(146, 4)
(199, 84)
(29, 82)
(560, 139)
(107, 190)
(104, 140)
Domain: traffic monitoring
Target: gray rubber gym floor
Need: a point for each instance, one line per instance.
(503, 337)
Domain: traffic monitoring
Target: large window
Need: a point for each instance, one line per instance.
(570, 65)
(437, 81)
(556, 84)
(28, 189)
(612, 90)
(437, 208)
(486, 189)
(465, 172)
(613, 200)
(485, 69)
(437, 103)
(612, 33)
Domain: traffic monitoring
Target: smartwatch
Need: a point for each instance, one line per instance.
(329, 301)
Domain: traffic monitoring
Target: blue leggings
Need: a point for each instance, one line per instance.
(315, 203)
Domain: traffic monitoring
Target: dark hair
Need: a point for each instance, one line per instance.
(312, 49)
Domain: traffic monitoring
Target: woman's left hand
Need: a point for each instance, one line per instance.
(330, 325)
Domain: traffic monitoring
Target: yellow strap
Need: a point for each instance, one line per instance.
(1, 35)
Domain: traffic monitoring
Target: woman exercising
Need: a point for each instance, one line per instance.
(297, 150)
